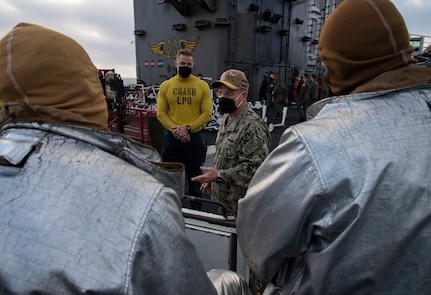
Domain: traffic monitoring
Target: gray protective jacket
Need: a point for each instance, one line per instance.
(87, 212)
(343, 204)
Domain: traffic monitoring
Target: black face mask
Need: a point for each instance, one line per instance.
(184, 71)
(227, 105)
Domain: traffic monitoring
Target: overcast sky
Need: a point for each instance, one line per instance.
(105, 28)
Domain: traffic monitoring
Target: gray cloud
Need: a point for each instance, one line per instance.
(416, 14)
(103, 28)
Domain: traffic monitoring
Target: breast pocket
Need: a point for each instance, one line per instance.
(231, 146)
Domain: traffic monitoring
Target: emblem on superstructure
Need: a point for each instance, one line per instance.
(170, 47)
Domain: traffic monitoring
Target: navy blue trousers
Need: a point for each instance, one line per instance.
(188, 153)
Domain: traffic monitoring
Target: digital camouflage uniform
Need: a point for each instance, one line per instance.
(241, 146)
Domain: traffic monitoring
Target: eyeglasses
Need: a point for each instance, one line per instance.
(226, 93)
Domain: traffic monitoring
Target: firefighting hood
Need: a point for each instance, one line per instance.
(46, 76)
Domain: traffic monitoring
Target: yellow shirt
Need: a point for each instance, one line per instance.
(184, 102)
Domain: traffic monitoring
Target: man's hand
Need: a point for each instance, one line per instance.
(206, 188)
(210, 175)
(181, 133)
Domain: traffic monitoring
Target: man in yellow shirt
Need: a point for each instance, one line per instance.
(184, 105)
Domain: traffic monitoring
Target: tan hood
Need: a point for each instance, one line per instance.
(362, 39)
(47, 76)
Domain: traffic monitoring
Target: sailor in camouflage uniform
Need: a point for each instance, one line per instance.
(241, 144)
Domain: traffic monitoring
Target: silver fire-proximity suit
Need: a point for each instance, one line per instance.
(79, 210)
(342, 206)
